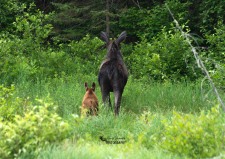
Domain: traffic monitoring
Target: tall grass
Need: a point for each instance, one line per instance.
(67, 93)
(158, 100)
(164, 97)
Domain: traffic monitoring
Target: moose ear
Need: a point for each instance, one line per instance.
(86, 85)
(104, 37)
(121, 38)
(93, 86)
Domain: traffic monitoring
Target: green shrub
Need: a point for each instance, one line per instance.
(196, 136)
(86, 54)
(30, 133)
(10, 105)
(9, 9)
(214, 57)
(31, 26)
(210, 12)
(12, 65)
(23, 59)
(167, 56)
(21, 49)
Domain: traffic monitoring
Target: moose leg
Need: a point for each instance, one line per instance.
(106, 98)
(118, 96)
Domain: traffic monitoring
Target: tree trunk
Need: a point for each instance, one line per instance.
(107, 18)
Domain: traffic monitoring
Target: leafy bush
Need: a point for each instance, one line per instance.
(30, 133)
(13, 65)
(32, 26)
(9, 105)
(215, 55)
(20, 50)
(196, 136)
(210, 12)
(24, 56)
(27, 59)
(86, 54)
(9, 9)
(167, 56)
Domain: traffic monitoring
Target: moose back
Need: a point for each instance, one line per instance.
(113, 72)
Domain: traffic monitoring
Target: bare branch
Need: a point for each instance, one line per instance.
(137, 3)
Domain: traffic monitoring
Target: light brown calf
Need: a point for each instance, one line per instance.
(90, 101)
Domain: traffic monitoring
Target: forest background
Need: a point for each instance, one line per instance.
(41, 39)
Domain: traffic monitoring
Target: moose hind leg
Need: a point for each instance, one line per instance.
(118, 96)
(106, 98)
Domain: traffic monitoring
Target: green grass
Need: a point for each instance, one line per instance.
(129, 127)
(144, 107)
(68, 92)
(91, 150)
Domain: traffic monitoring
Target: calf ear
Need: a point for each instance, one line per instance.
(104, 37)
(93, 86)
(121, 38)
(86, 85)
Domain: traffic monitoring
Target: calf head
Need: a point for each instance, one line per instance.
(89, 90)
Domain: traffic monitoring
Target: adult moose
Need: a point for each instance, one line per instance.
(113, 72)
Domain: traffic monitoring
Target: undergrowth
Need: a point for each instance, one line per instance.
(163, 120)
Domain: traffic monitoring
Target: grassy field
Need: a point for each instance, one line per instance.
(138, 96)
(144, 107)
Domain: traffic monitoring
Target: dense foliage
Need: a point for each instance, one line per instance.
(197, 136)
(29, 133)
(9, 105)
(166, 57)
(36, 44)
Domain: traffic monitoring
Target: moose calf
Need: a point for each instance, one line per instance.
(90, 101)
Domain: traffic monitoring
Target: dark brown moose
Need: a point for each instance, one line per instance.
(90, 101)
(113, 72)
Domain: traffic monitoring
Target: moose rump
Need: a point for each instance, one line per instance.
(113, 72)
